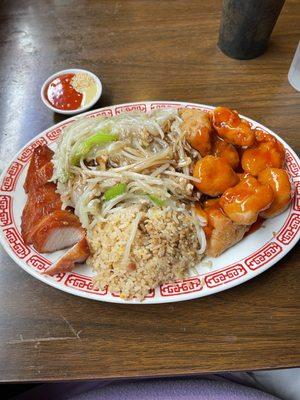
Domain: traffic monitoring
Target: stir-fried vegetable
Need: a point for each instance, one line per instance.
(150, 155)
(81, 149)
(115, 191)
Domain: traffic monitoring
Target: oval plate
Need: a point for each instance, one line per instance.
(247, 259)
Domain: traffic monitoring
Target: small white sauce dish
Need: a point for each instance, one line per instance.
(77, 110)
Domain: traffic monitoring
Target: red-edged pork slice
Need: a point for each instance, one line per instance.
(44, 224)
(41, 202)
(40, 157)
(44, 174)
(56, 231)
(76, 254)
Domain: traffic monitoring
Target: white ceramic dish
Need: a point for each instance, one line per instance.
(81, 109)
(249, 258)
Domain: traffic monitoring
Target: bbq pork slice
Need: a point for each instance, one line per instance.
(40, 165)
(41, 202)
(44, 224)
(56, 231)
(76, 254)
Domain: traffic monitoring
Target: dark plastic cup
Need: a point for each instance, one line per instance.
(246, 26)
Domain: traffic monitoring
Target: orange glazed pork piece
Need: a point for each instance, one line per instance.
(268, 152)
(279, 181)
(232, 128)
(215, 175)
(226, 152)
(243, 202)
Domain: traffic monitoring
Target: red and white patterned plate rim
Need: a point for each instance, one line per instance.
(195, 286)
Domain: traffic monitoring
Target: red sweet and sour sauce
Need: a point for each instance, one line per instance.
(61, 94)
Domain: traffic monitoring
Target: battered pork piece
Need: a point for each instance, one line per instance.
(221, 233)
(197, 128)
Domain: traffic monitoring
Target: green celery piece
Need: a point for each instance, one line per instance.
(115, 191)
(157, 201)
(81, 149)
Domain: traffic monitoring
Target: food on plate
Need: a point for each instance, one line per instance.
(134, 195)
(266, 152)
(226, 152)
(141, 247)
(144, 197)
(197, 129)
(78, 253)
(243, 202)
(232, 128)
(58, 230)
(44, 224)
(215, 175)
(220, 230)
(71, 91)
(279, 181)
(40, 168)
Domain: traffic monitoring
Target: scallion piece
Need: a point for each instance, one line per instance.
(115, 191)
(157, 201)
(81, 149)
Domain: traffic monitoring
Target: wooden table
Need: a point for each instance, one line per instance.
(143, 50)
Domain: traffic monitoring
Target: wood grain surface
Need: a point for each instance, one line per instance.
(143, 50)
